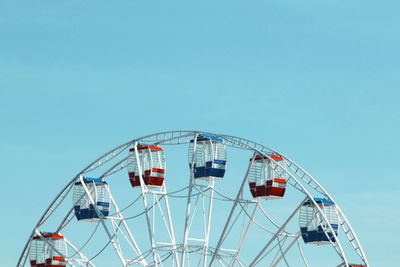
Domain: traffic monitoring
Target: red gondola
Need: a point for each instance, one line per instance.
(151, 160)
(48, 250)
(266, 178)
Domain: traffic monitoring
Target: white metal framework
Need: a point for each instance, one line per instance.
(208, 217)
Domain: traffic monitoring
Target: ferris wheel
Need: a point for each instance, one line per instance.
(225, 201)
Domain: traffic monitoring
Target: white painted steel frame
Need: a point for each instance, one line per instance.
(207, 212)
(298, 176)
(222, 236)
(150, 218)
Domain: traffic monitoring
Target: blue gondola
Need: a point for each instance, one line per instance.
(312, 230)
(84, 210)
(209, 157)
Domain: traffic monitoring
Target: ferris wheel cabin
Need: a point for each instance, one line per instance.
(48, 250)
(151, 161)
(266, 179)
(209, 157)
(96, 192)
(314, 229)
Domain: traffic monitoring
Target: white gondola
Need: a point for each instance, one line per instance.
(152, 163)
(312, 230)
(48, 250)
(210, 157)
(84, 209)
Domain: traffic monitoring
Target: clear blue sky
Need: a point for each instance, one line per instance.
(317, 80)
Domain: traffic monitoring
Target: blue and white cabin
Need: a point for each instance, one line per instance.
(314, 229)
(84, 210)
(209, 157)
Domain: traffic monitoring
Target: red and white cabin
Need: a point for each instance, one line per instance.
(267, 179)
(48, 250)
(151, 160)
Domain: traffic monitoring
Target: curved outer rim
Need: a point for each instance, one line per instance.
(241, 142)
